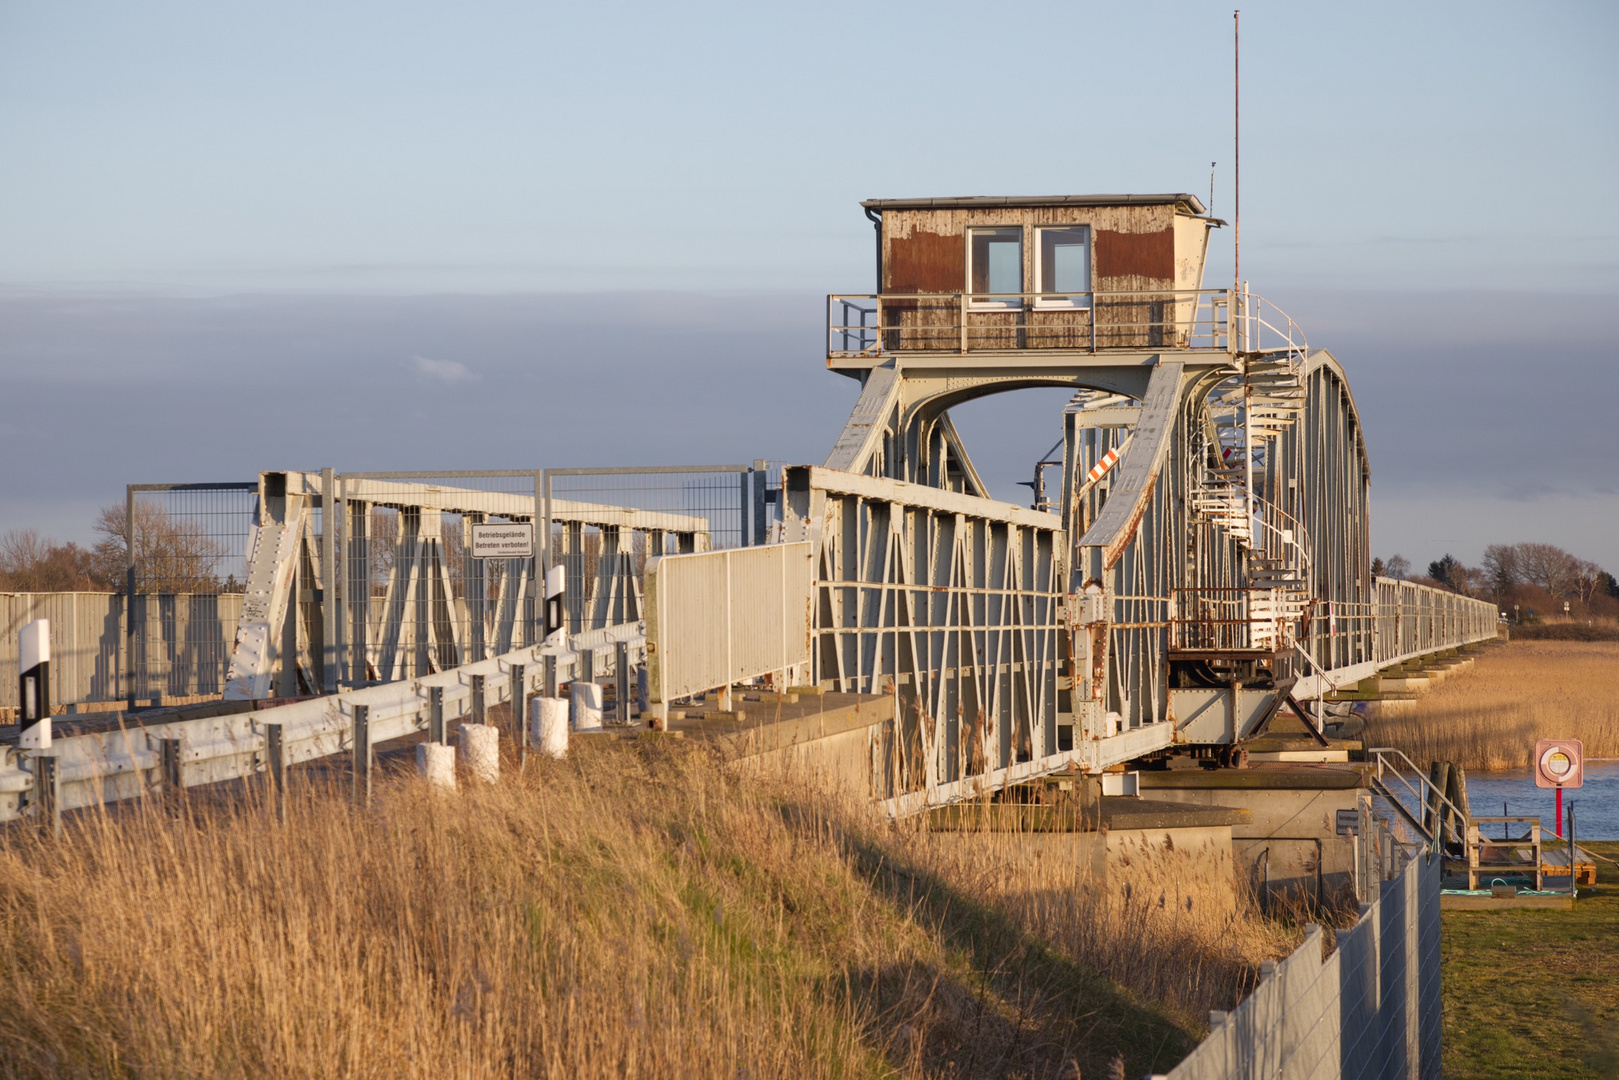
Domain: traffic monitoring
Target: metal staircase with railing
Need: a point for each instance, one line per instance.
(1250, 409)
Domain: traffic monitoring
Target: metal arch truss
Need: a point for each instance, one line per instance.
(1211, 555)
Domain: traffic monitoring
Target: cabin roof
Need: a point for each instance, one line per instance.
(964, 202)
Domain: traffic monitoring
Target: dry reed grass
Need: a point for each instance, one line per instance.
(628, 912)
(1489, 716)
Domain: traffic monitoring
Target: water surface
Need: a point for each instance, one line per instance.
(1596, 805)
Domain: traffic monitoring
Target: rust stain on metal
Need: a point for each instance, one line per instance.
(1122, 538)
(1148, 254)
(1098, 660)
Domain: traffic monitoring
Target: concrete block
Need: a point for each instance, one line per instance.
(435, 763)
(480, 750)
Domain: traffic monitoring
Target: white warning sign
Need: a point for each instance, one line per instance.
(512, 540)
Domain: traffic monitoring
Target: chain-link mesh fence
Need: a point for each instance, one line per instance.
(185, 550)
(606, 523)
(438, 570)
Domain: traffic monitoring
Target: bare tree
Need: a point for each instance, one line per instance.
(30, 562)
(171, 556)
(1548, 566)
(1399, 566)
(1589, 579)
(1503, 567)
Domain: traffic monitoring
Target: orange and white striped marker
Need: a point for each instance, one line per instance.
(1100, 469)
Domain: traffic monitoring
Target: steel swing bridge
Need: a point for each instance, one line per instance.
(1207, 558)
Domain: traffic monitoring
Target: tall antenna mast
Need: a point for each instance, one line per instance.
(1236, 149)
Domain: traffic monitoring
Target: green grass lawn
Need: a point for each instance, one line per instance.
(1535, 993)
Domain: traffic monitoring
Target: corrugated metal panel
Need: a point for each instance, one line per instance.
(183, 643)
(84, 643)
(717, 617)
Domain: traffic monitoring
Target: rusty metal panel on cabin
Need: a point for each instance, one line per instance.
(925, 262)
(1133, 263)
(1148, 255)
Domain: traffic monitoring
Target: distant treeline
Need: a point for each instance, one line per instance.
(1527, 581)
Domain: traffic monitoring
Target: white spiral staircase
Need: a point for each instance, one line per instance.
(1250, 409)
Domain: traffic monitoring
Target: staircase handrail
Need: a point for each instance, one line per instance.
(1255, 309)
(1303, 554)
(1379, 753)
(1319, 670)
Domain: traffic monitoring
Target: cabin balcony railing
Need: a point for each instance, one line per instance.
(867, 326)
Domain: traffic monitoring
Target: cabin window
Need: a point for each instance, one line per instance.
(995, 266)
(1062, 273)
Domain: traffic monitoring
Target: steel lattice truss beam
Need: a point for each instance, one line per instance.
(398, 606)
(949, 602)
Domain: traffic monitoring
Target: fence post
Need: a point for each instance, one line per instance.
(358, 591)
(275, 758)
(362, 754)
(477, 699)
(435, 714)
(129, 597)
(518, 703)
(551, 676)
(46, 792)
(541, 562)
(168, 755)
(621, 674)
(761, 480)
(330, 602)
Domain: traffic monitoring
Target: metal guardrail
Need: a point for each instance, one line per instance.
(720, 617)
(102, 767)
(1405, 621)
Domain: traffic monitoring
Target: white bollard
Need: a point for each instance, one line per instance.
(436, 763)
(480, 749)
(548, 725)
(587, 706)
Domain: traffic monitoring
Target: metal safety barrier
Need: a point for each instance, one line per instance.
(140, 759)
(721, 617)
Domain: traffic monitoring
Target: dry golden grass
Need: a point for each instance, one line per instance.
(628, 912)
(1489, 716)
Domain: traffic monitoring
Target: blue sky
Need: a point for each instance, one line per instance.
(1430, 188)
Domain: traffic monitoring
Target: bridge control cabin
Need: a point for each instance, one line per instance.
(1003, 274)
